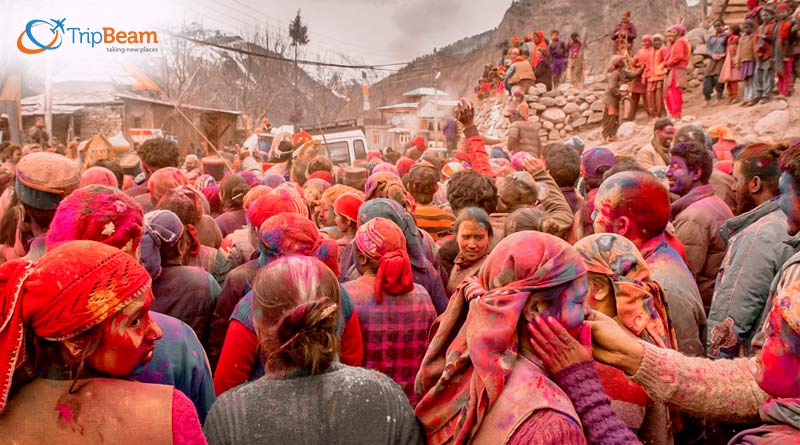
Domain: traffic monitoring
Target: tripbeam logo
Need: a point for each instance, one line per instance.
(38, 31)
(47, 35)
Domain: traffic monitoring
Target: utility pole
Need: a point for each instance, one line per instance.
(48, 96)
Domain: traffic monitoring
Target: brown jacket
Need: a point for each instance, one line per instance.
(524, 136)
(697, 217)
(522, 71)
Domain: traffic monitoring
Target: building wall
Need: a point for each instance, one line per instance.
(99, 119)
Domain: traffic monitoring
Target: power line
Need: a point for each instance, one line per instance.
(380, 67)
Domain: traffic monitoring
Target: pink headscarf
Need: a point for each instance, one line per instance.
(99, 176)
(382, 241)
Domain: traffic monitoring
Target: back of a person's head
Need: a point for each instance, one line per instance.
(695, 156)
(296, 302)
(529, 218)
(232, 190)
(760, 159)
(469, 188)
(640, 197)
(515, 190)
(624, 165)
(158, 153)
(564, 164)
(180, 204)
(790, 164)
(319, 163)
(421, 181)
(692, 133)
(114, 167)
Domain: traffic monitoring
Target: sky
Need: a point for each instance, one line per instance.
(366, 31)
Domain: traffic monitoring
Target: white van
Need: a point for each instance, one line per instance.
(342, 144)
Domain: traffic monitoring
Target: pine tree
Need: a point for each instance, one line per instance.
(298, 32)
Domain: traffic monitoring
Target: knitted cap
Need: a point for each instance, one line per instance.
(98, 213)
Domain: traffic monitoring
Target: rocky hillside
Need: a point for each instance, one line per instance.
(462, 62)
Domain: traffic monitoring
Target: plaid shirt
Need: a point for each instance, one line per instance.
(395, 333)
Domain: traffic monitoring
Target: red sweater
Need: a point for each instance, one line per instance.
(239, 353)
(679, 54)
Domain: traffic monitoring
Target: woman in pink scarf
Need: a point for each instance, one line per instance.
(479, 382)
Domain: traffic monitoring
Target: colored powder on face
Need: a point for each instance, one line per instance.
(64, 412)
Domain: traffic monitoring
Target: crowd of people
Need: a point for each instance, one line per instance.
(762, 52)
(553, 295)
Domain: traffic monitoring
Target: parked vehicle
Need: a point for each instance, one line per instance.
(342, 142)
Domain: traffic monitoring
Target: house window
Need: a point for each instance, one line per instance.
(404, 138)
(137, 122)
(376, 138)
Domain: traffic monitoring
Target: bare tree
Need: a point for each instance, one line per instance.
(298, 32)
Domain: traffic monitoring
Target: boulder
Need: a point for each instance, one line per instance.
(548, 125)
(572, 98)
(538, 106)
(590, 99)
(580, 122)
(540, 88)
(694, 83)
(774, 124)
(779, 105)
(571, 108)
(583, 106)
(562, 133)
(573, 92)
(561, 101)
(700, 50)
(552, 93)
(596, 106)
(595, 118)
(554, 135)
(696, 36)
(696, 59)
(563, 88)
(531, 98)
(688, 118)
(569, 128)
(559, 126)
(547, 101)
(587, 113)
(555, 115)
(626, 130)
(532, 90)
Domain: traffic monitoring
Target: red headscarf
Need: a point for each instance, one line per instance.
(266, 207)
(98, 213)
(292, 234)
(404, 165)
(163, 180)
(381, 240)
(71, 289)
(99, 176)
(474, 347)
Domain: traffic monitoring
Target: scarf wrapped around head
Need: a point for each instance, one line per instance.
(204, 181)
(384, 167)
(98, 213)
(212, 196)
(382, 241)
(266, 207)
(290, 193)
(292, 234)
(475, 344)
(162, 231)
(394, 212)
(163, 180)
(313, 190)
(331, 193)
(99, 176)
(641, 303)
(71, 289)
(388, 185)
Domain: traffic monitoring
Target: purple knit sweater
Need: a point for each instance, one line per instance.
(600, 424)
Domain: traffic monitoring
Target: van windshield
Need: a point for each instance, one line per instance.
(338, 153)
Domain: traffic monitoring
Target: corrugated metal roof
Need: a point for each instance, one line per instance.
(169, 104)
(413, 105)
(426, 91)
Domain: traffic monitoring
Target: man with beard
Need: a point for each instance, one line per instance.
(698, 214)
(755, 252)
(656, 152)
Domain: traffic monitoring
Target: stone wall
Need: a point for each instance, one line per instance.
(94, 119)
